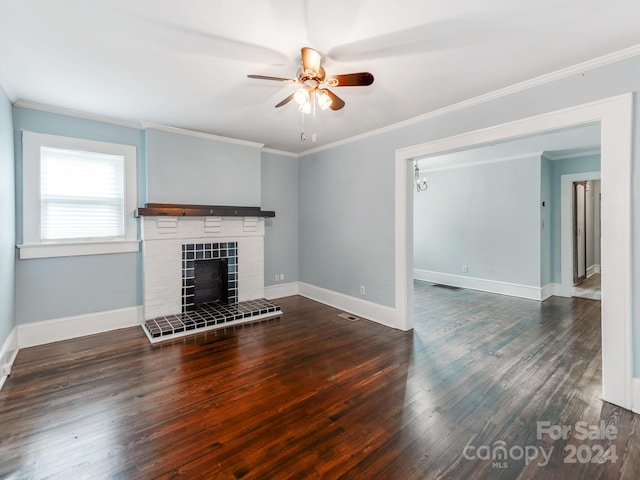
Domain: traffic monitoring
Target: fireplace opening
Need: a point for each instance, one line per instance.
(210, 282)
(209, 274)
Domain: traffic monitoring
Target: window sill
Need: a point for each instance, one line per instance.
(76, 249)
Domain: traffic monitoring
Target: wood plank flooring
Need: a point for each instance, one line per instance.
(311, 395)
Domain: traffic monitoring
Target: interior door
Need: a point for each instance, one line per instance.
(579, 232)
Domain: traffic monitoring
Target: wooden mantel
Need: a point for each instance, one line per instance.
(182, 210)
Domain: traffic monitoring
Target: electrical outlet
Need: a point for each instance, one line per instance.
(277, 277)
(465, 269)
(362, 290)
(281, 276)
(6, 369)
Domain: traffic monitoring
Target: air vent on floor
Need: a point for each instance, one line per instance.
(349, 317)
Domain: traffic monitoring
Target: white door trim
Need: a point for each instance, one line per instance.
(615, 116)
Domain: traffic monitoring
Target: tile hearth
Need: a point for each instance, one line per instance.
(206, 317)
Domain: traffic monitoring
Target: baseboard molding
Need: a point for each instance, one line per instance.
(592, 270)
(490, 286)
(560, 290)
(8, 353)
(635, 395)
(550, 290)
(282, 290)
(48, 331)
(361, 308)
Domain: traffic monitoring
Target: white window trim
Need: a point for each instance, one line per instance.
(32, 246)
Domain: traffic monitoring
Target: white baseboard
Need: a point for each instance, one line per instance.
(8, 353)
(490, 286)
(361, 308)
(552, 289)
(635, 395)
(48, 331)
(560, 290)
(282, 290)
(592, 270)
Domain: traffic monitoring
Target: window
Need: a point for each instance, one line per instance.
(78, 197)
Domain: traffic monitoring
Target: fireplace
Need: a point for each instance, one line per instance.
(209, 274)
(203, 268)
(172, 245)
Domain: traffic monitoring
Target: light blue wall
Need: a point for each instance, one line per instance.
(486, 217)
(545, 222)
(61, 287)
(347, 192)
(346, 219)
(280, 194)
(558, 168)
(191, 170)
(172, 168)
(7, 220)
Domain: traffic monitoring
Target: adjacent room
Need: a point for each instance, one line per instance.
(300, 240)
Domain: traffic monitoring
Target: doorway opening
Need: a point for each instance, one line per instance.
(615, 117)
(586, 239)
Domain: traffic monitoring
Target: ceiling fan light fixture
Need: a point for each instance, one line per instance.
(312, 81)
(421, 184)
(324, 100)
(301, 96)
(305, 108)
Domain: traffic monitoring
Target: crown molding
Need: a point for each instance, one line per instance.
(76, 113)
(545, 79)
(425, 166)
(127, 123)
(197, 134)
(281, 152)
(571, 154)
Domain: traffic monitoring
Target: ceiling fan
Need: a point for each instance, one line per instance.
(313, 82)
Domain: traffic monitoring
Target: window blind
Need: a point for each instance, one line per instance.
(82, 195)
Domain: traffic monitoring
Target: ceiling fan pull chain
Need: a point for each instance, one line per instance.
(313, 106)
(302, 135)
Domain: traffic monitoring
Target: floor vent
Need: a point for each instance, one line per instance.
(349, 317)
(448, 287)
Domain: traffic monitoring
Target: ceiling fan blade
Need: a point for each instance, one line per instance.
(361, 79)
(278, 79)
(286, 100)
(177, 37)
(435, 36)
(336, 102)
(311, 61)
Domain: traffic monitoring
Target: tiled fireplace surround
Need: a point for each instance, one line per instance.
(170, 245)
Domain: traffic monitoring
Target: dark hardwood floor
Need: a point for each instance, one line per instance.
(312, 395)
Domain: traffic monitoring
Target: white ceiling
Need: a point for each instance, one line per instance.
(185, 63)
